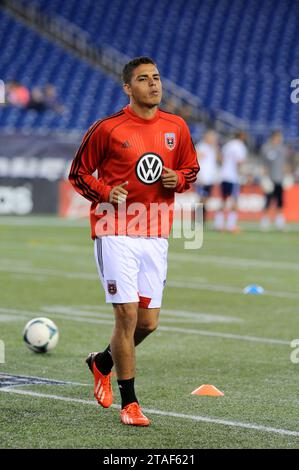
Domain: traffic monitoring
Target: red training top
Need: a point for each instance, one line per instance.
(124, 147)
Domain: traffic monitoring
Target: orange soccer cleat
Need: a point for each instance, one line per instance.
(132, 414)
(102, 383)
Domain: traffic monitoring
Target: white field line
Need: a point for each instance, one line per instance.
(36, 220)
(198, 258)
(250, 231)
(175, 315)
(30, 314)
(39, 246)
(16, 262)
(49, 272)
(192, 284)
(181, 284)
(213, 334)
(233, 262)
(202, 419)
(11, 318)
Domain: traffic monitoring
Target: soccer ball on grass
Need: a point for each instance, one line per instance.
(41, 335)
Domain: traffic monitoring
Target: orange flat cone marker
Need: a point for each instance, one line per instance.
(208, 390)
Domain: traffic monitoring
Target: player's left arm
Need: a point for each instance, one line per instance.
(188, 166)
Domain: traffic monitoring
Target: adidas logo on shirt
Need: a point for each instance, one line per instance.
(125, 145)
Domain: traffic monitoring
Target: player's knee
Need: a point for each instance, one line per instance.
(146, 329)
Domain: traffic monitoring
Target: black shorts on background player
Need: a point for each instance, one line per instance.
(276, 195)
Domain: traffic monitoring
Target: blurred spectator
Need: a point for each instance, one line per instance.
(37, 100)
(17, 94)
(45, 98)
(208, 155)
(274, 159)
(51, 100)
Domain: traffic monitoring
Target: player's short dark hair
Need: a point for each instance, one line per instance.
(130, 66)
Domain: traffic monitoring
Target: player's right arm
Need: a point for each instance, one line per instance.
(87, 160)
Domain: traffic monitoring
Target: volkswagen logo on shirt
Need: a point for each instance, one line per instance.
(149, 168)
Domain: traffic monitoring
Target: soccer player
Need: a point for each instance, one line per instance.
(274, 159)
(208, 155)
(143, 155)
(234, 153)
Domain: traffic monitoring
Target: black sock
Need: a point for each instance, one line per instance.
(127, 391)
(104, 361)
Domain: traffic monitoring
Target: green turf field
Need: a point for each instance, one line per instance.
(210, 333)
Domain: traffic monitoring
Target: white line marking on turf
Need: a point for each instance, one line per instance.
(232, 261)
(185, 284)
(61, 317)
(202, 419)
(177, 283)
(179, 316)
(50, 272)
(213, 334)
(11, 318)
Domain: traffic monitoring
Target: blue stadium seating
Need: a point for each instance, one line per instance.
(86, 93)
(238, 56)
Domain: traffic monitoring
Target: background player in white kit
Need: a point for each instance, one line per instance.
(234, 154)
(208, 154)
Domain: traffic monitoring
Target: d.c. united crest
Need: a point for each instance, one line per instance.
(111, 287)
(170, 140)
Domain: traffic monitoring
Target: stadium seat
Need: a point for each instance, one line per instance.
(237, 57)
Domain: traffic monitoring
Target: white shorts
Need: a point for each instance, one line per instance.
(132, 269)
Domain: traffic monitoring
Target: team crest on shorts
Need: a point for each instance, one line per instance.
(170, 140)
(112, 289)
